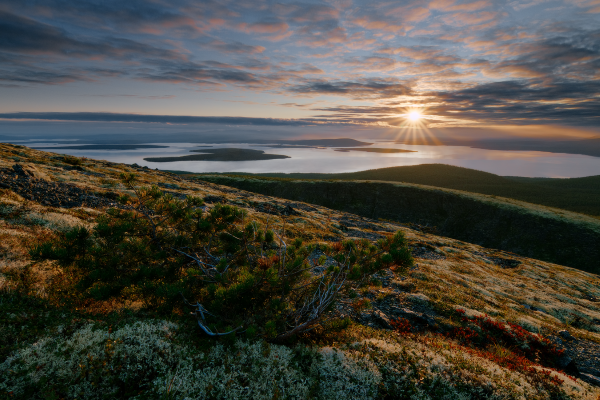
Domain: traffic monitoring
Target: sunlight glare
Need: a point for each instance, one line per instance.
(414, 115)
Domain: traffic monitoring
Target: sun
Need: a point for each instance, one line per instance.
(414, 116)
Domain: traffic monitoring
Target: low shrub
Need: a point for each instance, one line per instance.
(72, 160)
(484, 330)
(162, 251)
(512, 347)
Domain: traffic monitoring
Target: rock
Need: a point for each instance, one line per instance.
(418, 297)
(564, 362)
(565, 335)
(591, 379)
(382, 319)
(289, 210)
(365, 315)
(414, 316)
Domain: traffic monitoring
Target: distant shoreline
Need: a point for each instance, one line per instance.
(104, 147)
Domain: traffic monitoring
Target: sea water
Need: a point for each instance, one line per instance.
(328, 160)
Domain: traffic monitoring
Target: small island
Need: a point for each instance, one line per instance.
(376, 150)
(221, 155)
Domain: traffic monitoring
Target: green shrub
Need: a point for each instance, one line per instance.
(162, 251)
(72, 160)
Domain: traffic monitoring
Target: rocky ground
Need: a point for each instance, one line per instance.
(543, 298)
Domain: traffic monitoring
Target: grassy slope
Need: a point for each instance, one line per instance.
(464, 277)
(580, 195)
(530, 230)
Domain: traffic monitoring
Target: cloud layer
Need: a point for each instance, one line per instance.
(464, 62)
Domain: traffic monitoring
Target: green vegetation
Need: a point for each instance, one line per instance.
(552, 235)
(161, 251)
(580, 195)
(72, 160)
(105, 317)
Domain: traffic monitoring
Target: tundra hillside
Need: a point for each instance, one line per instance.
(460, 321)
(531, 230)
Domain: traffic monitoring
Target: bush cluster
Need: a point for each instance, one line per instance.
(170, 253)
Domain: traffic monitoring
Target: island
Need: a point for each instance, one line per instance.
(227, 154)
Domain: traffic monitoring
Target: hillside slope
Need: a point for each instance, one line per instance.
(534, 231)
(581, 195)
(466, 322)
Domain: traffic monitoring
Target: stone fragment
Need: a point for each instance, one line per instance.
(382, 319)
(564, 361)
(418, 297)
(591, 379)
(565, 335)
(414, 316)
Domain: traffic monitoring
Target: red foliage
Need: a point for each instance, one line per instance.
(401, 325)
(523, 350)
(535, 347)
(265, 263)
(361, 304)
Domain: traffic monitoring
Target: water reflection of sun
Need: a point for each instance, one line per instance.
(413, 130)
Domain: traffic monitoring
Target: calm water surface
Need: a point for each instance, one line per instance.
(512, 163)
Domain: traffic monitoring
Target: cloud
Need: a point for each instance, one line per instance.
(450, 5)
(39, 76)
(460, 19)
(576, 103)
(313, 25)
(112, 15)
(165, 119)
(272, 29)
(24, 35)
(235, 47)
(371, 64)
(137, 96)
(198, 74)
(519, 5)
(379, 24)
(448, 52)
(358, 90)
(574, 57)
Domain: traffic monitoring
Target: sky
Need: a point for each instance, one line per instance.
(529, 68)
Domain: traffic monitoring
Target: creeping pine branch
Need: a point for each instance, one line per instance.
(200, 263)
(199, 313)
(312, 310)
(282, 265)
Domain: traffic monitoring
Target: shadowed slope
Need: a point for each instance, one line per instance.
(534, 231)
(580, 195)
